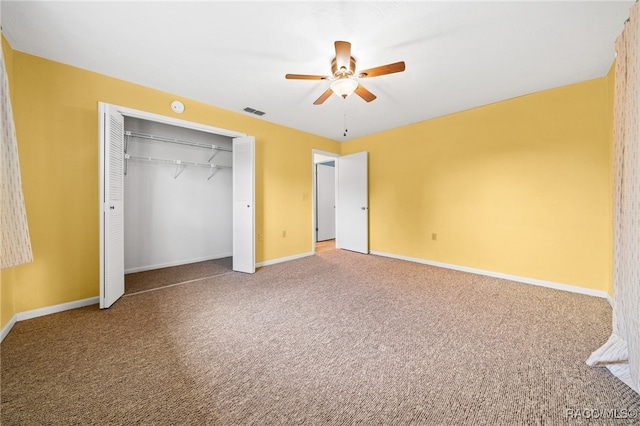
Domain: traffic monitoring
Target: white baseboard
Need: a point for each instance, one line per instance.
(284, 259)
(7, 328)
(175, 263)
(57, 308)
(525, 280)
(21, 316)
(610, 299)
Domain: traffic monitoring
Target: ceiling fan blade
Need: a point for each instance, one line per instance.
(323, 97)
(343, 54)
(382, 70)
(364, 93)
(305, 77)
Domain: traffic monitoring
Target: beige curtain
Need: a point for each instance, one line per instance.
(621, 353)
(15, 246)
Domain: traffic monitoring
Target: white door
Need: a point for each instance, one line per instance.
(325, 201)
(111, 152)
(244, 259)
(352, 203)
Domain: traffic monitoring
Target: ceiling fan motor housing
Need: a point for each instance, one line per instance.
(340, 72)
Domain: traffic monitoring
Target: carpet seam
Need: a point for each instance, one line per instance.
(176, 284)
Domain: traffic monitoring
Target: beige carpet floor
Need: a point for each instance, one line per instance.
(156, 278)
(338, 338)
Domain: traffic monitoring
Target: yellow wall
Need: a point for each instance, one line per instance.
(55, 108)
(519, 187)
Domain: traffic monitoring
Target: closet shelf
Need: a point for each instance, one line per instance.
(178, 163)
(176, 141)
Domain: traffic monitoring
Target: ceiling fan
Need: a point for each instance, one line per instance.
(343, 69)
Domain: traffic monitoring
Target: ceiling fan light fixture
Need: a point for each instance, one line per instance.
(343, 74)
(343, 87)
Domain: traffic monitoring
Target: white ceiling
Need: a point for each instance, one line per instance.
(233, 55)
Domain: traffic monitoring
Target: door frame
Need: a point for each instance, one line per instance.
(313, 192)
(148, 116)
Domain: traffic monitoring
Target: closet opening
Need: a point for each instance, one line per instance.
(178, 204)
(174, 195)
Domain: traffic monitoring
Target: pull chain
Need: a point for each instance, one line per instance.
(345, 124)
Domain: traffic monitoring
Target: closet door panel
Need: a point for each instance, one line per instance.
(112, 205)
(244, 204)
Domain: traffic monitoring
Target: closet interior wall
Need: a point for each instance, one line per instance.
(175, 214)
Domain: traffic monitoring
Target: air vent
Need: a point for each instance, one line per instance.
(254, 111)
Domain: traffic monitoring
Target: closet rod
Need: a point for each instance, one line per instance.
(175, 162)
(178, 141)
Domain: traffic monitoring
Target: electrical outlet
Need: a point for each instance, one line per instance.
(434, 236)
(284, 234)
(260, 237)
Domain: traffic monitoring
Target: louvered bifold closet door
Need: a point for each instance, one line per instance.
(112, 271)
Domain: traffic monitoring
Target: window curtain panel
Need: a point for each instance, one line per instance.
(621, 353)
(15, 245)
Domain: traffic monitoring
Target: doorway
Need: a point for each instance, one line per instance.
(324, 199)
(351, 200)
